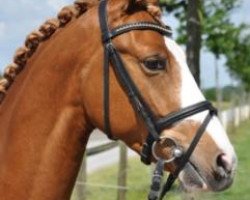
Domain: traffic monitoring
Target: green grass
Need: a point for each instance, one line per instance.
(139, 177)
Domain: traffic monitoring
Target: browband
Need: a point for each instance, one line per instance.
(164, 30)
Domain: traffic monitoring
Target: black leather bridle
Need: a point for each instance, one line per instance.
(153, 124)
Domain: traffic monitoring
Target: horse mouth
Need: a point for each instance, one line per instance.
(191, 179)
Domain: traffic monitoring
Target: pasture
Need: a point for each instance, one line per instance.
(101, 185)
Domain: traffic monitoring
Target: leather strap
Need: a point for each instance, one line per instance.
(105, 31)
(106, 100)
(103, 19)
(174, 117)
(131, 90)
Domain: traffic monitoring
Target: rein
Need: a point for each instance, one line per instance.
(153, 124)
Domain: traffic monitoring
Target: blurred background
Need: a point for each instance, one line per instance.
(216, 37)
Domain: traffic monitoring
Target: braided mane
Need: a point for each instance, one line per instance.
(33, 40)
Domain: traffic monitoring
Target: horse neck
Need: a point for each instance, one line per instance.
(43, 131)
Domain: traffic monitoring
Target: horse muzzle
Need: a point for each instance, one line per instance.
(212, 175)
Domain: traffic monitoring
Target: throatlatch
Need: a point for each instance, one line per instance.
(154, 125)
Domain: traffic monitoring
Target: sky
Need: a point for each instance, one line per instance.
(20, 17)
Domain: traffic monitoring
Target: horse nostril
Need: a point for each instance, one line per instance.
(224, 170)
(224, 162)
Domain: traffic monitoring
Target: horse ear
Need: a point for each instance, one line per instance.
(152, 2)
(152, 6)
(83, 5)
(130, 6)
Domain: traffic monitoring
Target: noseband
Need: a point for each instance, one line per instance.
(153, 124)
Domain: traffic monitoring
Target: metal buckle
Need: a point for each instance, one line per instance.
(176, 152)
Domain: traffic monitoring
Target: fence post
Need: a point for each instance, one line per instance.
(122, 173)
(232, 113)
(248, 104)
(82, 178)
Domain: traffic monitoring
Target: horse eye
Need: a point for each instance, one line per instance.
(155, 64)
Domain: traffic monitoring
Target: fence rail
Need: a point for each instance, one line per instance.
(101, 148)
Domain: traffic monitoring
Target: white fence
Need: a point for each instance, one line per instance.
(235, 115)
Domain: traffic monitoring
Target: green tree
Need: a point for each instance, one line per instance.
(238, 59)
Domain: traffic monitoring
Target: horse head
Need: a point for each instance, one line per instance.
(110, 65)
(158, 69)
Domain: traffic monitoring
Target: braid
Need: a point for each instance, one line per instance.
(33, 40)
(67, 14)
(48, 28)
(80, 6)
(21, 56)
(11, 71)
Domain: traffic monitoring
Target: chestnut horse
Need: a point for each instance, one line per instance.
(52, 99)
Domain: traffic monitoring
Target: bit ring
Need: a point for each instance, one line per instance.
(176, 152)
